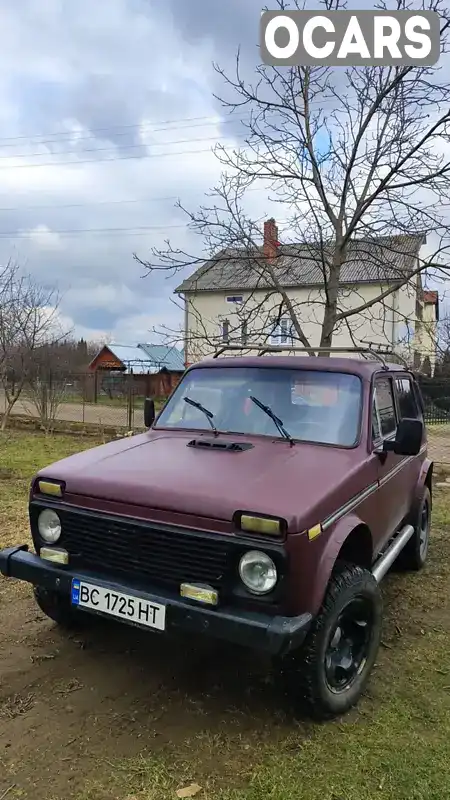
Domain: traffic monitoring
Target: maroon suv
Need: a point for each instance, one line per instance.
(263, 506)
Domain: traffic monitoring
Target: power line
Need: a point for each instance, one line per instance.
(94, 161)
(114, 148)
(90, 203)
(143, 129)
(138, 230)
(214, 120)
(162, 198)
(110, 128)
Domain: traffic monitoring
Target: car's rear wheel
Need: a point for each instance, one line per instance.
(328, 674)
(414, 554)
(59, 609)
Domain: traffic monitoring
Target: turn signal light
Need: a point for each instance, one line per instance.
(202, 594)
(57, 556)
(49, 487)
(266, 525)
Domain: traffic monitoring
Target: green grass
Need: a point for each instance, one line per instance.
(394, 746)
(21, 456)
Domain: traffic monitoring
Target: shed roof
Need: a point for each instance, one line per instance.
(169, 357)
(386, 259)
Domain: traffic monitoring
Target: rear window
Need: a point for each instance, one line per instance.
(407, 403)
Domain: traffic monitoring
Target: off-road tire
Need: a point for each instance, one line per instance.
(414, 554)
(58, 608)
(303, 672)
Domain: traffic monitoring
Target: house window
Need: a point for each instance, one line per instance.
(226, 331)
(234, 298)
(281, 332)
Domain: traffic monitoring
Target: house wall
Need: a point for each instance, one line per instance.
(387, 323)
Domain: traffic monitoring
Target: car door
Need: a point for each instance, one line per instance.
(394, 482)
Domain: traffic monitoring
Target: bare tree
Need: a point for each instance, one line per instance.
(359, 156)
(28, 321)
(47, 391)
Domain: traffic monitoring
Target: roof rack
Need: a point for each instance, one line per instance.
(378, 354)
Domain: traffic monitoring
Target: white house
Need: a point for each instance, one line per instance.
(234, 297)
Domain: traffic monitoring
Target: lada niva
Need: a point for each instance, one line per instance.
(263, 506)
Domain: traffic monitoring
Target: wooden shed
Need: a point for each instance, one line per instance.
(149, 370)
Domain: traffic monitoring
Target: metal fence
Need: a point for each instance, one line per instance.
(116, 401)
(436, 397)
(105, 400)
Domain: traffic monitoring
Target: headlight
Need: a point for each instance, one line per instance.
(49, 526)
(258, 572)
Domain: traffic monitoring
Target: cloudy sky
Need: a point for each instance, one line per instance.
(132, 79)
(107, 117)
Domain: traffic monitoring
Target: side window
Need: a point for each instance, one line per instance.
(376, 427)
(407, 403)
(384, 422)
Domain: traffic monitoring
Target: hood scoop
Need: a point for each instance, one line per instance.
(219, 444)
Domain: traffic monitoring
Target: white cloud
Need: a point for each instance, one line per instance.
(44, 238)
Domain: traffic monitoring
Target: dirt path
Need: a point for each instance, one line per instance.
(70, 706)
(73, 708)
(87, 413)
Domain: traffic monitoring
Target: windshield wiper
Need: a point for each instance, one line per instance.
(208, 414)
(278, 422)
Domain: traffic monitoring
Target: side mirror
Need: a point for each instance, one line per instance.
(149, 412)
(408, 439)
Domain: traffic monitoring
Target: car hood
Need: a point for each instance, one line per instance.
(158, 470)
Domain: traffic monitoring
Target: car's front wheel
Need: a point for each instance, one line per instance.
(330, 671)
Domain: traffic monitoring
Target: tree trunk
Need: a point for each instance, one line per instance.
(332, 291)
(11, 400)
(5, 419)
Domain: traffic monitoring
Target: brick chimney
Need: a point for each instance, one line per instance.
(271, 242)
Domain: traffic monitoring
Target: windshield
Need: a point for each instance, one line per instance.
(322, 407)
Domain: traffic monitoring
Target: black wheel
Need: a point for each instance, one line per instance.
(329, 672)
(58, 608)
(414, 554)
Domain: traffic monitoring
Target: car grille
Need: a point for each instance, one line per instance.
(142, 552)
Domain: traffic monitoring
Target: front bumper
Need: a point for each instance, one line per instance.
(276, 635)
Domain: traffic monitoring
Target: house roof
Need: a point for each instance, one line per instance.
(147, 358)
(383, 260)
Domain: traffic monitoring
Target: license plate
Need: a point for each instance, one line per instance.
(117, 604)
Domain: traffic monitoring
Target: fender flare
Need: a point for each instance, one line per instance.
(338, 535)
(427, 470)
(426, 475)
